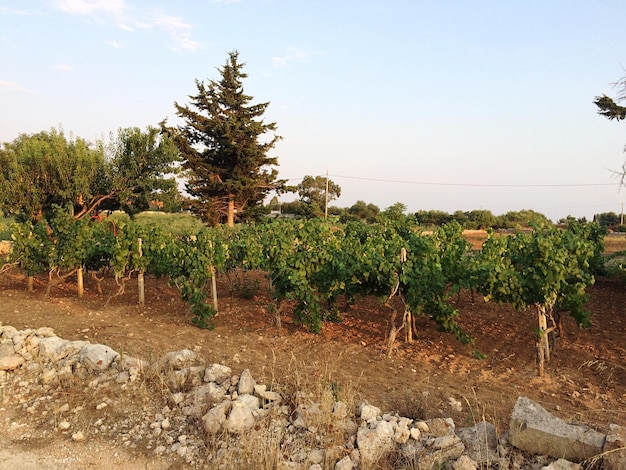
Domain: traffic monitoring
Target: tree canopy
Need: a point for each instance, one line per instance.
(608, 107)
(312, 191)
(224, 144)
(42, 170)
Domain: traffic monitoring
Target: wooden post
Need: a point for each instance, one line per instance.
(326, 197)
(214, 290)
(140, 277)
(543, 347)
(31, 283)
(230, 217)
(79, 282)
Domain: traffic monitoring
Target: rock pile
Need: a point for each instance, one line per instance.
(208, 416)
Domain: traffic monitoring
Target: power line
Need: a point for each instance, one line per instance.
(478, 185)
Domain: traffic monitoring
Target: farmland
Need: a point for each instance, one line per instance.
(585, 379)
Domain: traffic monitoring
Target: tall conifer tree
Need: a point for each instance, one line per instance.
(224, 144)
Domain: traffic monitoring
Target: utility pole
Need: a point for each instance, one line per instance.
(621, 219)
(326, 202)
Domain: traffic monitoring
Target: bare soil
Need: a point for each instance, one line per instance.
(585, 380)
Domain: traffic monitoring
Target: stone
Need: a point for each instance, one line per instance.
(45, 332)
(439, 427)
(246, 383)
(374, 442)
(11, 362)
(250, 401)
(616, 439)
(214, 419)
(78, 436)
(442, 449)
(209, 393)
(97, 357)
(561, 464)
(368, 412)
(464, 462)
(401, 435)
(217, 373)
(8, 332)
(481, 442)
(344, 464)
(316, 456)
(240, 418)
(340, 410)
(6, 348)
(536, 431)
(177, 360)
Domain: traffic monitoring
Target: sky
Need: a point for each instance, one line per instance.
(441, 105)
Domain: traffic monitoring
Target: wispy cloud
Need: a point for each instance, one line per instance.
(14, 86)
(125, 17)
(12, 11)
(225, 2)
(178, 30)
(291, 54)
(88, 7)
(63, 68)
(115, 44)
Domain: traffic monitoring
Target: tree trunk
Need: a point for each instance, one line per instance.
(230, 221)
(408, 319)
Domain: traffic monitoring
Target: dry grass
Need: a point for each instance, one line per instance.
(614, 243)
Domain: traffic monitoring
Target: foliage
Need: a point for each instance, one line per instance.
(142, 169)
(40, 170)
(609, 108)
(312, 191)
(547, 267)
(222, 147)
(607, 219)
(315, 266)
(363, 211)
(5, 227)
(44, 170)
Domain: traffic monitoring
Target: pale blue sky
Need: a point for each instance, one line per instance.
(460, 94)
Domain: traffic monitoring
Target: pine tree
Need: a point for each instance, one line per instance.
(228, 170)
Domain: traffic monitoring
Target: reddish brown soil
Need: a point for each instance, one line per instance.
(585, 380)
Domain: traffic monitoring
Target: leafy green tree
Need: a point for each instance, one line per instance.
(46, 169)
(142, 168)
(520, 219)
(395, 213)
(433, 217)
(224, 145)
(40, 170)
(607, 219)
(364, 211)
(312, 191)
(480, 219)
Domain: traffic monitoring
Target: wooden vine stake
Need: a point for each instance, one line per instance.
(543, 343)
(214, 290)
(80, 286)
(140, 277)
(30, 283)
